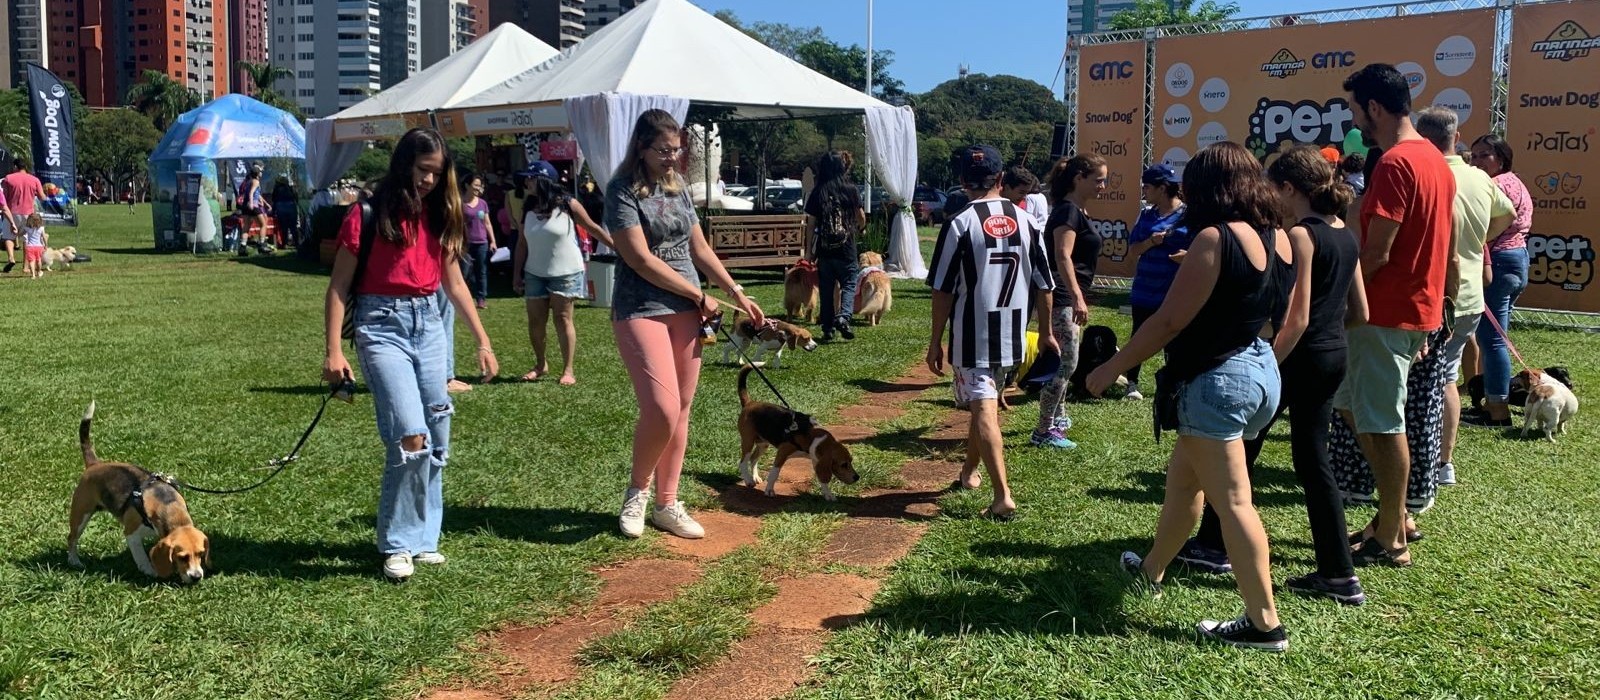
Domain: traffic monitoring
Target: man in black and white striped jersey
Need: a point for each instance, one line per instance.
(989, 262)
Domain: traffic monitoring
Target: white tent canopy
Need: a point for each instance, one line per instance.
(486, 62)
(671, 47)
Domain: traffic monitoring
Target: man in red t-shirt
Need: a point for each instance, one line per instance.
(1407, 262)
(21, 189)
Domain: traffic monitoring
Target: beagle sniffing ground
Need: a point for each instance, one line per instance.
(147, 504)
(763, 424)
(775, 336)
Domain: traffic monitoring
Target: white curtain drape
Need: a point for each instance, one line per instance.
(325, 159)
(892, 141)
(603, 123)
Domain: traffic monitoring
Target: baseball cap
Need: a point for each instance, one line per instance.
(1160, 174)
(541, 168)
(976, 163)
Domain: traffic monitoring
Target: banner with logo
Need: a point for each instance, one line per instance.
(1271, 89)
(55, 153)
(1551, 116)
(1111, 80)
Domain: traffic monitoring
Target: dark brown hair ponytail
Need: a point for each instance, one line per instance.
(1304, 169)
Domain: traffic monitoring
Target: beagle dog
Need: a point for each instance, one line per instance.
(774, 336)
(764, 424)
(147, 504)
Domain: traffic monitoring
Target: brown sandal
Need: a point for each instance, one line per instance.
(1370, 553)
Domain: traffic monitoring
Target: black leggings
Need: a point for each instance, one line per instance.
(1140, 315)
(1310, 377)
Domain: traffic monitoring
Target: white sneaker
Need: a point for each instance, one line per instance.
(676, 520)
(397, 567)
(1133, 395)
(429, 558)
(633, 505)
(1447, 474)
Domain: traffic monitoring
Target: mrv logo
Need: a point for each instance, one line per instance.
(1306, 121)
(1569, 40)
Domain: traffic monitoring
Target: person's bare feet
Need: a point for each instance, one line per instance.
(1002, 510)
(967, 480)
(457, 386)
(536, 373)
(568, 380)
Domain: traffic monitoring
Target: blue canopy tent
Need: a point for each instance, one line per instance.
(197, 167)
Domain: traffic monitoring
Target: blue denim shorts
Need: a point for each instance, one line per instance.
(1235, 400)
(569, 286)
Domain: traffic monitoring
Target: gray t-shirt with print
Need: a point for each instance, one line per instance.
(668, 221)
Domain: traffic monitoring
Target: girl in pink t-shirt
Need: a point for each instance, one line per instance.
(414, 241)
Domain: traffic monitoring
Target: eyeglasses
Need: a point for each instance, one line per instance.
(668, 152)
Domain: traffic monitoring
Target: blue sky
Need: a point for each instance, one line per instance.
(932, 38)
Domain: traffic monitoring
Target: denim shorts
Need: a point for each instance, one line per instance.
(569, 286)
(1235, 400)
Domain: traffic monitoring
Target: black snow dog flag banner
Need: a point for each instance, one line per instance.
(55, 153)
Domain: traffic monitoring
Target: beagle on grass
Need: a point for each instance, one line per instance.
(775, 336)
(763, 424)
(147, 504)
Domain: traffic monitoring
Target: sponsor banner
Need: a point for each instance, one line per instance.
(1551, 116)
(558, 150)
(1270, 89)
(369, 129)
(1111, 106)
(505, 120)
(55, 152)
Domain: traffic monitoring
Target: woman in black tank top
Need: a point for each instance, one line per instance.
(1234, 281)
(1310, 347)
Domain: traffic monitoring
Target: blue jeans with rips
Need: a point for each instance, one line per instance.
(402, 347)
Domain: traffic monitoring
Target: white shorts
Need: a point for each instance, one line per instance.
(977, 384)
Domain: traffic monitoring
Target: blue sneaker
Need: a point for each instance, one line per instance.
(1053, 439)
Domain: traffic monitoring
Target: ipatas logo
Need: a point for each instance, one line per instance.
(1283, 64)
(999, 226)
(1569, 40)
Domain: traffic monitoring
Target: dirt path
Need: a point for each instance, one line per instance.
(884, 526)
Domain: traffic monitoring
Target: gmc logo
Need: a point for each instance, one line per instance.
(1111, 70)
(1334, 59)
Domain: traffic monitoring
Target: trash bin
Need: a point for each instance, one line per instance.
(602, 271)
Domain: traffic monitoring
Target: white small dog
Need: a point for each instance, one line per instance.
(63, 255)
(1550, 404)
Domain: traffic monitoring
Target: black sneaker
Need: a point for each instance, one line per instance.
(1204, 559)
(827, 336)
(1315, 584)
(1241, 632)
(1142, 582)
(845, 332)
(9, 267)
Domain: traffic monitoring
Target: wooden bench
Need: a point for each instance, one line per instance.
(757, 240)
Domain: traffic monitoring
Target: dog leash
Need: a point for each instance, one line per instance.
(1506, 337)
(759, 373)
(343, 390)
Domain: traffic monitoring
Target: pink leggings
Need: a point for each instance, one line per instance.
(662, 354)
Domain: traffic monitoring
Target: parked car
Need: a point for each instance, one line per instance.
(784, 199)
(928, 206)
(740, 191)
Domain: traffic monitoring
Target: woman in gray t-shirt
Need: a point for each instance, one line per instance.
(657, 309)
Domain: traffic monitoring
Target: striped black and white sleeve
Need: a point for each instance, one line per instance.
(945, 274)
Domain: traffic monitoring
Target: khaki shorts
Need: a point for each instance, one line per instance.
(1461, 331)
(1374, 388)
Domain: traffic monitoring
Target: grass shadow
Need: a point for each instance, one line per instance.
(554, 526)
(1270, 487)
(303, 560)
(132, 251)
(286, 263)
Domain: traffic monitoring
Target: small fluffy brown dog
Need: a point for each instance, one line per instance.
(874, 294)
(62, 255)
(1550, 403)
(800, 291)
(147, 504)
(764, 424)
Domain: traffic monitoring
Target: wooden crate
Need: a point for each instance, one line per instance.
(757, 240)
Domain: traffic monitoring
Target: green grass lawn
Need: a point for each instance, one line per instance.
(207, 367)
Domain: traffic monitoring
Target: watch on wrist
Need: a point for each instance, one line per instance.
(736, 289)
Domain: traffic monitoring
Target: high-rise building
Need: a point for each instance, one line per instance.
(22, 40)
(247, 39)
(1084, 16)
(342, 51)
(599, 13)
(558, 23)
(447, 27)
(105, 46)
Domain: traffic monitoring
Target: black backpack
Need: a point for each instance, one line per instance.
(834, 232)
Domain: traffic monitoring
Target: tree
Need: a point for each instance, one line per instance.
(115, 144)
(848, 66)
(162, 98)
(15, 131)
(1155, 13)
(263, 76)
(1013, 114)
(783, 38)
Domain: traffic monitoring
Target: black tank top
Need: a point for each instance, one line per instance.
(1243, 301)
(1334, 253)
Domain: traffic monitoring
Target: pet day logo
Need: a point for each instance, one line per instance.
(1306, 121)
(1564, 261)
(999, 226)
(1560, 190)
(1283, 64)
(1569, 40)
(1113, 236)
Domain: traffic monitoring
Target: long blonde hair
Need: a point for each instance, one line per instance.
(395, 198)
(650, 126)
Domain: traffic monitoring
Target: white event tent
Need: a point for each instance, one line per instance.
(488, 61)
